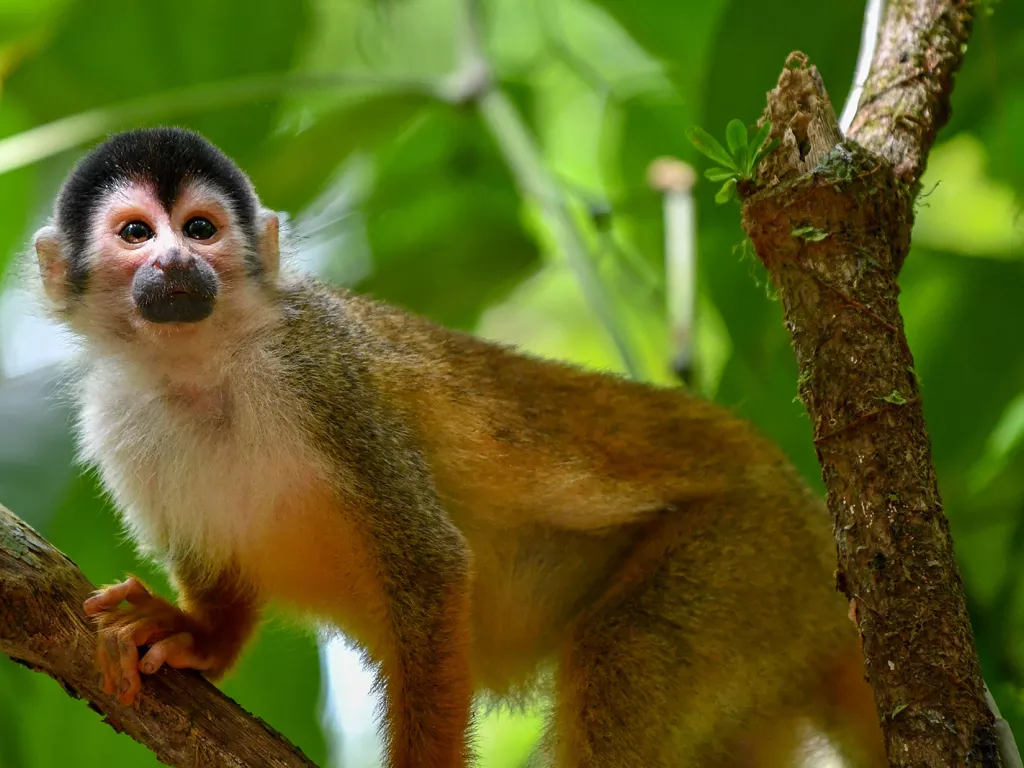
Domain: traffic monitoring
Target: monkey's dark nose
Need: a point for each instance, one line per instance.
(175, 265)
(175, 287)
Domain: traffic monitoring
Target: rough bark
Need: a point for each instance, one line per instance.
(180, 716)
(831, 220)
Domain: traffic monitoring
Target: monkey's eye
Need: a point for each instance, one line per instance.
(135, 232)
(199, 228)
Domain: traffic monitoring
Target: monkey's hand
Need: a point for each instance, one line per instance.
(173, 636)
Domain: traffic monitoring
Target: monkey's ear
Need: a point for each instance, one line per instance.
(269, 242)
(52, 264)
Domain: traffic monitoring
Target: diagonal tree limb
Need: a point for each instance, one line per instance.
(180, 716)
(831, 220)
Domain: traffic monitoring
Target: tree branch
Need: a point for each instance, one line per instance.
(831, 221)
(906, 98)
(180, 716)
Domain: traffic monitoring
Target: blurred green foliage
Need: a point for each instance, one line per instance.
(333, 108)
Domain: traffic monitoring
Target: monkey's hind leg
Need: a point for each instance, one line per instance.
(628, 695)
(680, 652)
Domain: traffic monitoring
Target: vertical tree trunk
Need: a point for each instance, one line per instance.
(831, 220)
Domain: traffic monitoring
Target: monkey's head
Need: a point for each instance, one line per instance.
(156, 233)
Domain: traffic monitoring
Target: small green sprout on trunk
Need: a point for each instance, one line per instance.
(738, 163)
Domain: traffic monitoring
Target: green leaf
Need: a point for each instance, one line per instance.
(757, 157)
(726, 193)
(895, 398)
(758, 148)
(757, 142)
(708, 145)
(766, 149)
(719, 174)
(810, 234)
(736, 136)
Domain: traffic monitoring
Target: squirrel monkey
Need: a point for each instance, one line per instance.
(476, 519)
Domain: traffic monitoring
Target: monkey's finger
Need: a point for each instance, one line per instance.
(106, 655)
(130, 589)
(147, 632)
(137, 593)
(177, 651)
(129, 682)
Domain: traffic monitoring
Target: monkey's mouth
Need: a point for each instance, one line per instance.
(182, 294)
(176, 307)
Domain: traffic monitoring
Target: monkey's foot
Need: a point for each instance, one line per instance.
(174, 637)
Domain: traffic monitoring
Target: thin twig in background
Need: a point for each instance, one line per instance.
(474, 82)
(675, 180)
(1008, 751)
(873, 13)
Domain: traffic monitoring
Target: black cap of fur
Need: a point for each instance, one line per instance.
(168, 158)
